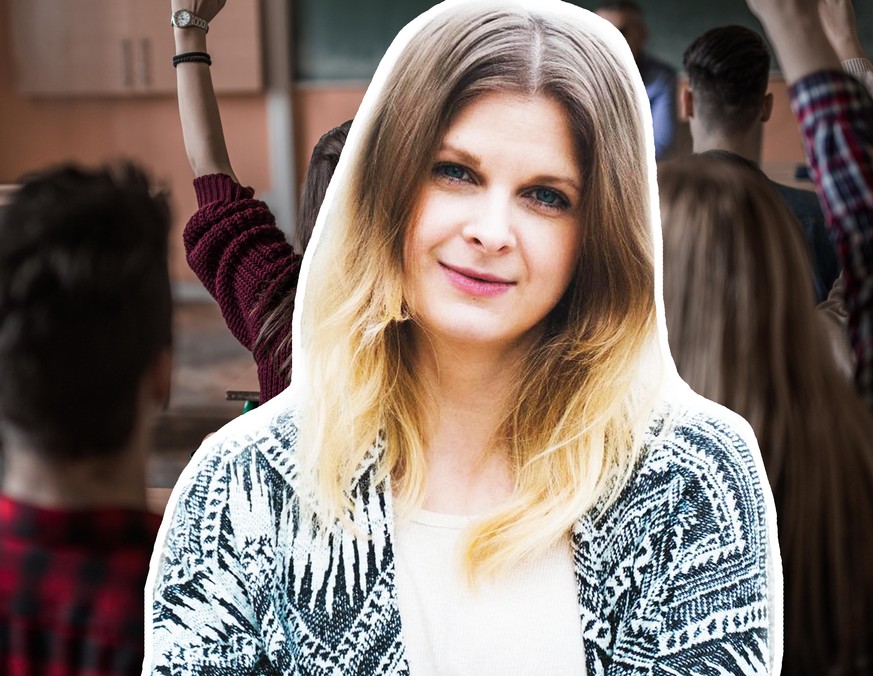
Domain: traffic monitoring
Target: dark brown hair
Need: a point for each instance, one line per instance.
(84, 306)
(744, 332)
(322, 164)
(276, 330)
(728, 72)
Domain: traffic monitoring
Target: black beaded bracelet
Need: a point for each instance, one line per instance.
(192, 57)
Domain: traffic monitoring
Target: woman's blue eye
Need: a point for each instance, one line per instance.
(549, 197)
(452, 171)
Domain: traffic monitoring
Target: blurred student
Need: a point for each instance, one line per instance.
(232, 242)
(85, 357)
(741, 335)
(727, 103)
(658, 77)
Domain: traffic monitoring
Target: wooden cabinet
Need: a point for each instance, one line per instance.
(124, 47)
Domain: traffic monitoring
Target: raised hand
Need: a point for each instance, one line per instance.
(198, 107)
(205, 9)
(797, 36)
(838, 21)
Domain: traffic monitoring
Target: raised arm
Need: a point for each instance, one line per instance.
(836, 121)
(198, 107)
(838, 21)
(841, 28)
(797, 36)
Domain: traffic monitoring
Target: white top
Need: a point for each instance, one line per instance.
(526, 622)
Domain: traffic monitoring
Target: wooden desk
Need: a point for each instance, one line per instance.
(245, 388)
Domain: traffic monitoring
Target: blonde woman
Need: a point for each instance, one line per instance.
(485, 463)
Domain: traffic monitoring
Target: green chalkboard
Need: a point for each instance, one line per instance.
(344, 39)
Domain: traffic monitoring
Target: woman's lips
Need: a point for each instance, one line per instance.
(474, 283)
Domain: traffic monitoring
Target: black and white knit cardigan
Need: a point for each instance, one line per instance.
(679, 576)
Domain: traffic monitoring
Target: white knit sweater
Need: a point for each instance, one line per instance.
(679, 576)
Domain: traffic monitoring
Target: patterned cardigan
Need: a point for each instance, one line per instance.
(680, 575)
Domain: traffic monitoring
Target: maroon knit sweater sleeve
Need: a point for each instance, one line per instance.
(234, 247)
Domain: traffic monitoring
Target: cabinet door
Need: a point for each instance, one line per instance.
(71, 47)
(234, 44)
(124, 47)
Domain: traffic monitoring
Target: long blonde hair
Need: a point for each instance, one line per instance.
(575, 428)
(743, 332)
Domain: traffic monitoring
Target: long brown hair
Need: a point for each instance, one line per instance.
(743, 332)
(579, 409)
(276, 329)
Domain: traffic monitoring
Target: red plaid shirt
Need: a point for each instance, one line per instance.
(836, 119)
(71, 589)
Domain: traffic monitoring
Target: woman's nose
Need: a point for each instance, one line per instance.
(489, 227)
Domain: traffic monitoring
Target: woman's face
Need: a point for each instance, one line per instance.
(496, 236)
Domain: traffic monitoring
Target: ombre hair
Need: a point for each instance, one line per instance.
(744, 332)
(580, 407)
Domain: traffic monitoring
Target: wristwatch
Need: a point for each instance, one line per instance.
(183, 18)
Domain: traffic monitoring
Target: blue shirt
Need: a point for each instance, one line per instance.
(660, 81)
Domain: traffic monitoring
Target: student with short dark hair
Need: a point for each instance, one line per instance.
(729, 71)
(727, 103)
(85, 356)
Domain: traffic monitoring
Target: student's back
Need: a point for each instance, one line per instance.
(727, 104)
(84, 353)
(71, 588)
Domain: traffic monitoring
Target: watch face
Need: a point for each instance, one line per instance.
(183, 18)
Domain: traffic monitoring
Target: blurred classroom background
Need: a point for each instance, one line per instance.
(91, 80)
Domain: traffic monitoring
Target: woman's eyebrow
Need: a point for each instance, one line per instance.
(463, 155)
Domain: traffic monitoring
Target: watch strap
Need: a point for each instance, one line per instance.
(193, 21)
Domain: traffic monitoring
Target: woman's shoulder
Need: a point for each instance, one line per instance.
(700, 465)
(684, 559)
(251, 461)
(695, 437)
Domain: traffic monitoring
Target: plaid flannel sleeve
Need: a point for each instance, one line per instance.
(836, 121)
